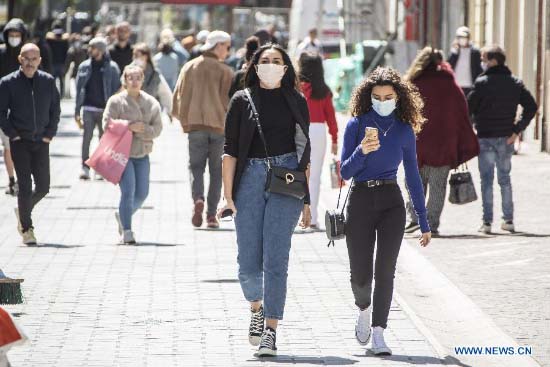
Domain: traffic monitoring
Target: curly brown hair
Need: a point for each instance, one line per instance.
(409, 102)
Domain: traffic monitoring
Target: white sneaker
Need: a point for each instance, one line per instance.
(120, 228)
(85, 173)
(362, 326)
(379, 346)
(128, 237)
(28, 237)
(98, 176)
(485, 228)
(508, 226)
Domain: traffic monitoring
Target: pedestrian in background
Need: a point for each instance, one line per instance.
(142, 111)
(265, 221)
(167, 63)
(98, 78)
(15, 36)
(321, 116)
(154, 83)
(30, 123)
(200, 104)
(77, 53)
(167, 37)
(59, 44)
(387, 115)
(310, 44)
(200, 40)
(121, 51)
(493, 103)
(252, 44)
(447, 139)
(465, 60)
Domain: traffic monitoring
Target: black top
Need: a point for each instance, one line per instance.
(278, 125)
(122, 56)
(29, 111)
(94, 96)
(494, 100)
(240, 129)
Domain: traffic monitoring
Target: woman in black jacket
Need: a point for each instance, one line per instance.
(265, 221)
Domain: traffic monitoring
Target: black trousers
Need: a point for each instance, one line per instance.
(31, 159)
(375, 215)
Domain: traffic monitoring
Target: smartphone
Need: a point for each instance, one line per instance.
(371, 133)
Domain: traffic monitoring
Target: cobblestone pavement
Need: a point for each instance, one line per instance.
(174, 300)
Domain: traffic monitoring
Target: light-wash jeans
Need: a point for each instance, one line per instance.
(265, 223)
(134, 188)
(495, 152)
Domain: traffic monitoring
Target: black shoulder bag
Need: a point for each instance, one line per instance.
(280, 180)
(335, 221)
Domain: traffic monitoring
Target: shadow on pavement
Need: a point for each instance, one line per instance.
(61, 155)
(419, 360)
(156, 244)
(323, 361)
(220, 281)
(68, 134)
(215, 229)
(53, 245)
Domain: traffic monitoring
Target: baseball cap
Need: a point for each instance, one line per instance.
(214, 38)
(463, 32)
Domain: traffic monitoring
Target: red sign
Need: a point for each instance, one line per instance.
(207, 2)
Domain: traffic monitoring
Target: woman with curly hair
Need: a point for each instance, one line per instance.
(387, 114)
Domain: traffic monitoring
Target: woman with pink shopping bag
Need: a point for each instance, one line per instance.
(142, 112)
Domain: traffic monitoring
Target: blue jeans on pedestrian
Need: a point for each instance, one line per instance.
(496, 152)
(265, 223)
(134, 188)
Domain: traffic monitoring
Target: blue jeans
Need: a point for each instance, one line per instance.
(265, 223)
(134, 188)
(495, 152)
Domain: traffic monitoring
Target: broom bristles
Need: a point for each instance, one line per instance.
(10, 291)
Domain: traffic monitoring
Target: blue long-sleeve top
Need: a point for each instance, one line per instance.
(398, 146)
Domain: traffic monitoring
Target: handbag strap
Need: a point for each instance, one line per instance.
(258, 125)
(347, 195)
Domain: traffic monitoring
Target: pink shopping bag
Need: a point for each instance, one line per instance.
(112, 154)
(10, 333)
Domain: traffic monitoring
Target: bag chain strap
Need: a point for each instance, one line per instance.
(260, 130)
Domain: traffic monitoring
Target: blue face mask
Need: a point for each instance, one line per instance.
(383, 108)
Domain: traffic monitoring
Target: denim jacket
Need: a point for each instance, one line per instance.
(111, 80)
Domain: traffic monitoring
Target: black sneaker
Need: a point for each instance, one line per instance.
(256, 327)
(412, 227)
(267, 345)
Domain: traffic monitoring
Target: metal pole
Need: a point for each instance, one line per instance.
(341, 27)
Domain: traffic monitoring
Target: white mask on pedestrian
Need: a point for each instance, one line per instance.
(141, 63)
(484, 66)
(463, 42)
(271, 74)
(14, 41)
(383, 108)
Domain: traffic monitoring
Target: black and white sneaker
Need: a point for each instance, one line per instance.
(256, 328)
(412, 227)
(267, 345)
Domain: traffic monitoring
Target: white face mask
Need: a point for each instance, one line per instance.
(14, 41)
(271, 74)
(141, 63)
(484, 66)
(463, 42)
(383, 108)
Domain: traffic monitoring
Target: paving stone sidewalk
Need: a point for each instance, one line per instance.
(173, 300)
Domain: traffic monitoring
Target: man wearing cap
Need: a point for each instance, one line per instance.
(200, 104)
(465, 59)
(29, 115)
(98, 78)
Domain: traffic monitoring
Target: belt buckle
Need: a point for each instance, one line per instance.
(371, 183)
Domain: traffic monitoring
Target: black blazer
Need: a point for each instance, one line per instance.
(240, 128)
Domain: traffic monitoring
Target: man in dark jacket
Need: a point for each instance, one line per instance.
(122, 52)
(493, 103)
(59, 44)
(98, 78)
(465, 59)
(15, 35)
(29, 114)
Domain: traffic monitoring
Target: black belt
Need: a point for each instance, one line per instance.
(375, 183)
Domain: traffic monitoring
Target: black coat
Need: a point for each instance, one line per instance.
(8, 55)
(240, 128)
(30, 111)
(475, 61)
(494, 100)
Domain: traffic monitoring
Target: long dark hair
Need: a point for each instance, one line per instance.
(311, 71)
(409, 101)
(251, 78)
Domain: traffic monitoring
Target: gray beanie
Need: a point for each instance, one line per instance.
(98, 43)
